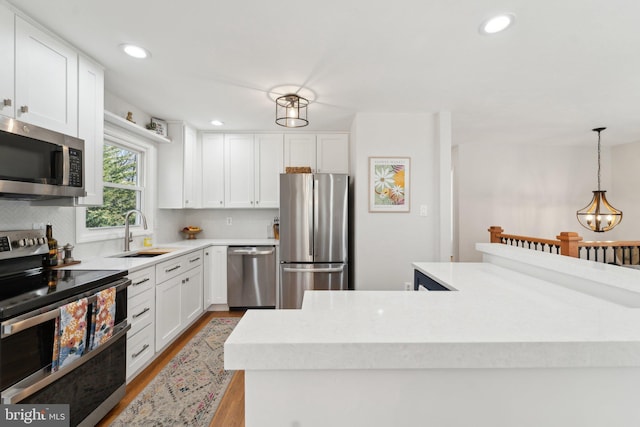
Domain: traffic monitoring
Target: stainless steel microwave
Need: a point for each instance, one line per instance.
(37, 163)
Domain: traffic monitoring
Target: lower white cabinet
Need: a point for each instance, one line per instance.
(178, 297)
(141, 316)
(215, 278)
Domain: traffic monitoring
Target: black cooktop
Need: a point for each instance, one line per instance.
(38, 288)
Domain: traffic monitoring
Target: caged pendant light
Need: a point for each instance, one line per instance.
(291, 111)
(599, 215)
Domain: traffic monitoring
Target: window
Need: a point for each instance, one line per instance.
(122, 188)
(128, 183)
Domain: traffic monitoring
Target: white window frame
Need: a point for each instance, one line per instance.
(114, 135)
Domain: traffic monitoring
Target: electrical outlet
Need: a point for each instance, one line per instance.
(423, 210)
(407, 286)
(229, 220)
(37, 226)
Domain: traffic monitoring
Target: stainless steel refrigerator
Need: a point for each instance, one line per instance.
(313, 235)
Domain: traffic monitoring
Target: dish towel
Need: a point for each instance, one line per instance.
(103, 317)
(72, 332)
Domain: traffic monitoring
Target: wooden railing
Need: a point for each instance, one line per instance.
(570, 243)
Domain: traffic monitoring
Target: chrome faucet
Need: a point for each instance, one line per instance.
(127, 236)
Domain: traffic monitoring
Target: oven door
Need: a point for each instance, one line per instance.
(92, 384)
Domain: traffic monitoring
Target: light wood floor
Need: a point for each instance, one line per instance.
(230, 412)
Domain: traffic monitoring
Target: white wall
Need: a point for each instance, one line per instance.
(624, 194)
(528, 190)
(387, 243)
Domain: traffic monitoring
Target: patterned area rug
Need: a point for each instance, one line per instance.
(189, 388)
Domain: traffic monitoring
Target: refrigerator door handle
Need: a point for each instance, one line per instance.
(314, 270)
(312, 215)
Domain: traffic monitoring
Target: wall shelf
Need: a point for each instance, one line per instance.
(124, 123)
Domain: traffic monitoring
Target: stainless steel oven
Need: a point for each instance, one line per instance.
(31, 305)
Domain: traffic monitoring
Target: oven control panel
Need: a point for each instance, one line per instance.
(14, 244)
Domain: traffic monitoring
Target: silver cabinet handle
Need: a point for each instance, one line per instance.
(194, 259)
(169, 270)
(141, 313)
(7, 102)
(146, 279)
(314, 270)
(24, 109)
(144, 347)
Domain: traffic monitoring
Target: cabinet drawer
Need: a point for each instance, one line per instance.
(140, 349)
(141, 281)
(141, 310)
(176, 266)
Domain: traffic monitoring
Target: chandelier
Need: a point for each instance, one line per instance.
(599, 215)
(291, 111)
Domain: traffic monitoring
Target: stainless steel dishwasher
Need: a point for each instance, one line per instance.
(251, 276)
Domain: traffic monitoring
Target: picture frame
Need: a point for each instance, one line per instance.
(159, 126)
(389, 184)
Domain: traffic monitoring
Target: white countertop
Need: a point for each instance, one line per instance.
(181, 247)
(497, 318)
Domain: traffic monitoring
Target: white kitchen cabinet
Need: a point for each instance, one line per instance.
(178, 296)
(212, 170)
(7, 77)
(215, 278)
(324, 153)
(253, 164)
(300, 150)
(141, 316)
(268, 164)
(332, 153)
(91, 127)
(180, 169)
(46, 80)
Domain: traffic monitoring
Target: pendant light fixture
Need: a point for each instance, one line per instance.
(291, 111)
(599, 215)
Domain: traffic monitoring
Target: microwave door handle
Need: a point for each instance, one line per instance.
(65, 165)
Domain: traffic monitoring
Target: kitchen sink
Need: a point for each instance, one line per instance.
(145, 253)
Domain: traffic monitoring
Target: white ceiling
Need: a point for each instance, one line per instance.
(564, 68)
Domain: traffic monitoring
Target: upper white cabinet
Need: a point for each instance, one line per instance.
(46, 80)
(300, 150)
(324, 153)
(91, 127)
(7, 78)
(252, 167)
(332, 153)
(212, 170)
(180, 169)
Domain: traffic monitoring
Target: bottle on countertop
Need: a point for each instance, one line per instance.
(276, 228)
(52, 259)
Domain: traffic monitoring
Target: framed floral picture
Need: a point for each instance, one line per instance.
(389, 184)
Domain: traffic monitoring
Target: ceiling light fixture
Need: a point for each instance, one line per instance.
(135, 51)
(599, 215)
(217, 122)
(291, 111)
(497, 23)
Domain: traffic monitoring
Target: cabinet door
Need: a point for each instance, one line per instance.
(46, 80)
(7, 43)
(170, 169)
(215, 275)
(268, 154)
(300, 150)
(91, 128)
(168, 318)
(238, 170)
(332, 153)
(191, 297)
(192, 169)
(212, 170)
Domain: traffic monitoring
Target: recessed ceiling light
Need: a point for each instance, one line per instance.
(497, 23)
(217, 122)
(135, 51)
